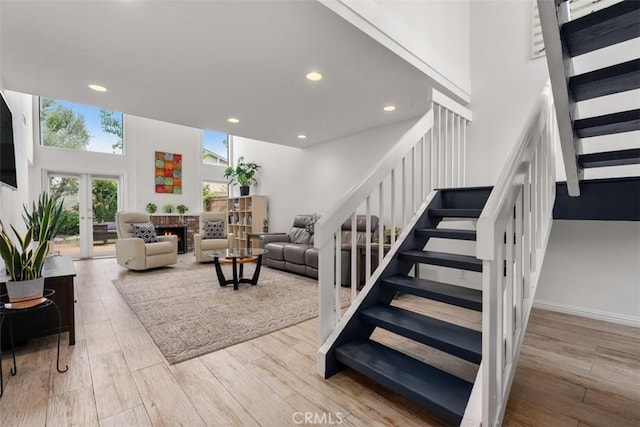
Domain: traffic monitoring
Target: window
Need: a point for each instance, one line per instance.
(215, 148)
(214, 196)
(79, 127)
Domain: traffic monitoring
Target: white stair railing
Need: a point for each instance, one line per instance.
(513, 231)
(428, 155)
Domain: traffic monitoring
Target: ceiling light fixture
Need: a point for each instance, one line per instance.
(233, 120)
(389, 108)
(301, 136)
(314, 76)
(97, 88)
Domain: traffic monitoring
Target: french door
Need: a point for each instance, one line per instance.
(90, 203)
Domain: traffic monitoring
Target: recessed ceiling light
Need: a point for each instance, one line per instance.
(233, 120)
(301, 136)
(314, 76)
(97, 88)
(389, 108)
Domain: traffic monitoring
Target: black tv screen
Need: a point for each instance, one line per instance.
(7, 150)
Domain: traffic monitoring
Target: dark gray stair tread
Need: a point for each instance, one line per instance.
(463, 262)
(453, 339)
(606, 27)
(624, 121)
(446, 233)
(610, 158)
(456, 213)
(442, 394)
(443, 292)
(606, 81)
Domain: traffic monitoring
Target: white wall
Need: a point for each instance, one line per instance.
(148, 136)
(142, 138)
(591, 269)
(311, 180)
(504, 81)
(435, 33)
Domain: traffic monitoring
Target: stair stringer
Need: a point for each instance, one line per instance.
(350, 326)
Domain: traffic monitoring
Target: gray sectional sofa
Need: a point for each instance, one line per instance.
(294, 252)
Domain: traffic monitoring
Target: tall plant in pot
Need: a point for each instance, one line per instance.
(25, 262)
(47, 210)
(243, 175)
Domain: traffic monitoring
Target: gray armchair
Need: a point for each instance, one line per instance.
(295, 252)
(133, 253)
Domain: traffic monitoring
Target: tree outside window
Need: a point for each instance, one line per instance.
(79, 127)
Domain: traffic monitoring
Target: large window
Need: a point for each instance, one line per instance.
(214, 196)
(215, 148)
(79, 127)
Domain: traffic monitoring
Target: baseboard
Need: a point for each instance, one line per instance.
(588, 312)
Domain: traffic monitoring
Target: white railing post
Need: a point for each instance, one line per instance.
(513, 232)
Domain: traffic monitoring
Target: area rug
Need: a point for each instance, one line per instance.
(188, 314)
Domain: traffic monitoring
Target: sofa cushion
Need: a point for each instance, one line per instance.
(211, 244)
(213, 230)
(299, 236)
(295, 253)
(311, 257)
(146, 232)
(159, 248)
(276, 250)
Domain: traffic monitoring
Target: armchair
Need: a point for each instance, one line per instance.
(133, 253)
(202, 245)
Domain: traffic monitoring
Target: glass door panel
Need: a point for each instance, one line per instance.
(67, 187)
(104, 205)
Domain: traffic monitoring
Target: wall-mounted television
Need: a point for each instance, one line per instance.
(7, 149)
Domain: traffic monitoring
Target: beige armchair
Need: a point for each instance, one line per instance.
(134, 253)
(203, 245)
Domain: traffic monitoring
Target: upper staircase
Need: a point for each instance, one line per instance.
(566, 39)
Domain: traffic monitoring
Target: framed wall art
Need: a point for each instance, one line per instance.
(168, 172)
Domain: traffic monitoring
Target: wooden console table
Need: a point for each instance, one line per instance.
(58, 275)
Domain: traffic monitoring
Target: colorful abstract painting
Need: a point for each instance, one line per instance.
(168, 177)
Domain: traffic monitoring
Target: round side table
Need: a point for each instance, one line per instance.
(6, 310)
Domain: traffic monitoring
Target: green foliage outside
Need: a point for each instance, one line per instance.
(105, 200)
(70, 222)
(112, 124)
(61, 127)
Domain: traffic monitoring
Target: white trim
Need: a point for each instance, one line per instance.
(354, 18)
(590, 313)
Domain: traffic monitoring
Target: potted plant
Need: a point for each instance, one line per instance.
(168, 208)
(151, 208)
(182, 209)
(24, 262)
(243, 175)
(34, 218)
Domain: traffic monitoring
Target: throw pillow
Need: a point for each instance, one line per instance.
(213, 230)
(310, 227)
(146, 232)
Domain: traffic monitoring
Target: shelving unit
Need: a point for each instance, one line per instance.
(245, 215)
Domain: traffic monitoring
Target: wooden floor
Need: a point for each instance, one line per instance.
(573, 372)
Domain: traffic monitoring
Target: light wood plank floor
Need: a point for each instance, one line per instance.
(572, 372)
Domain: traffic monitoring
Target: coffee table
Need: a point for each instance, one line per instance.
(237, 257)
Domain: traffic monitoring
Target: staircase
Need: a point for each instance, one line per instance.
(441, 393)
(566, 39)
(513, 223)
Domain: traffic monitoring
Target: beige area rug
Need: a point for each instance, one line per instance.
(188, 314)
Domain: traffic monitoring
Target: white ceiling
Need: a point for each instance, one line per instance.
(197, 63)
